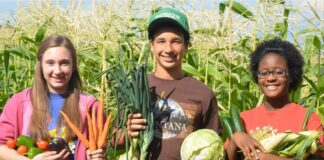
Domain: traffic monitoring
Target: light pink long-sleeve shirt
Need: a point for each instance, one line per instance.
(15, 118)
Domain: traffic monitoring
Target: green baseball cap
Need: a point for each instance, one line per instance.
(170, 16)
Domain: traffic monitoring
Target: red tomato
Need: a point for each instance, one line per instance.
(22, 150)
(11, 143)
(42, 144)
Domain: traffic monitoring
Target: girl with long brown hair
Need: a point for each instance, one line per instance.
(35, 112)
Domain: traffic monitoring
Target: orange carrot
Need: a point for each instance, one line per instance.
(92, 143)
(94, 124)
(75, 130)
(105, 133)
(100, 114)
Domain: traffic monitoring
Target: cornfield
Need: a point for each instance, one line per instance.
(223, 33)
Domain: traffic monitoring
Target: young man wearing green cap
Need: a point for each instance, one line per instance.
(185, 104)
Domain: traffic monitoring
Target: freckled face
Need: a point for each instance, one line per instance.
(272, 86)
(57, 68)
(168, 47)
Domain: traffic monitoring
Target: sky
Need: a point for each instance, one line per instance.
(8, 7)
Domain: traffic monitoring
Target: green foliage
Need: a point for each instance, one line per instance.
(236, 7)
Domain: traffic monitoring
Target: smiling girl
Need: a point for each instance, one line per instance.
(277, 68)
(35, 111)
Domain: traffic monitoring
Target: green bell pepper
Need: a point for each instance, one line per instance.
(33, 151)
(26, 141)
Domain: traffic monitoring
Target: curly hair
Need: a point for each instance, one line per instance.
(295, 60)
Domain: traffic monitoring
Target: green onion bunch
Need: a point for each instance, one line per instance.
(133, 96)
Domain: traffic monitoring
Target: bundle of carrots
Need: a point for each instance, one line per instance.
(97, 130)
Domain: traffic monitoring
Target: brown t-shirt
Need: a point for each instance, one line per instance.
(187, 105)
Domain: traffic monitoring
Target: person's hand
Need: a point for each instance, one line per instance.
(96, 155)
(51, 155)
(247, 144)
(135, 123)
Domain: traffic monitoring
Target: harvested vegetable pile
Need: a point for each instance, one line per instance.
(26, 146)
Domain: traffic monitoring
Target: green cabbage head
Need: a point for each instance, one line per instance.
(203, 144)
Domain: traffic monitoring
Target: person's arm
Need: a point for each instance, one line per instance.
(248, 146)
(231, 150)
(12, 155)
(267, 156)
(9, 127)
(7, 153)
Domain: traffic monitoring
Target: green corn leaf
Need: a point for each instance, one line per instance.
(214, 72)
(309, 112)
(23, 53)
(192, 71)
(191, 57)
(39, 36)
(317, 43)
(27, 39)
(312, 45)
(311, 83)
(303, 148)
(289, 143)
(237, 8)
(6, 61)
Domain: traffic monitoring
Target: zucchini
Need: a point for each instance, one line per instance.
(236, 119)
(226, 123)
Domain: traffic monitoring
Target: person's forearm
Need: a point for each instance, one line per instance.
(7, 153)
(231, 151)
(266, 156)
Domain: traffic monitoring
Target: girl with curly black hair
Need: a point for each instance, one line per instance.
(277, 68)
